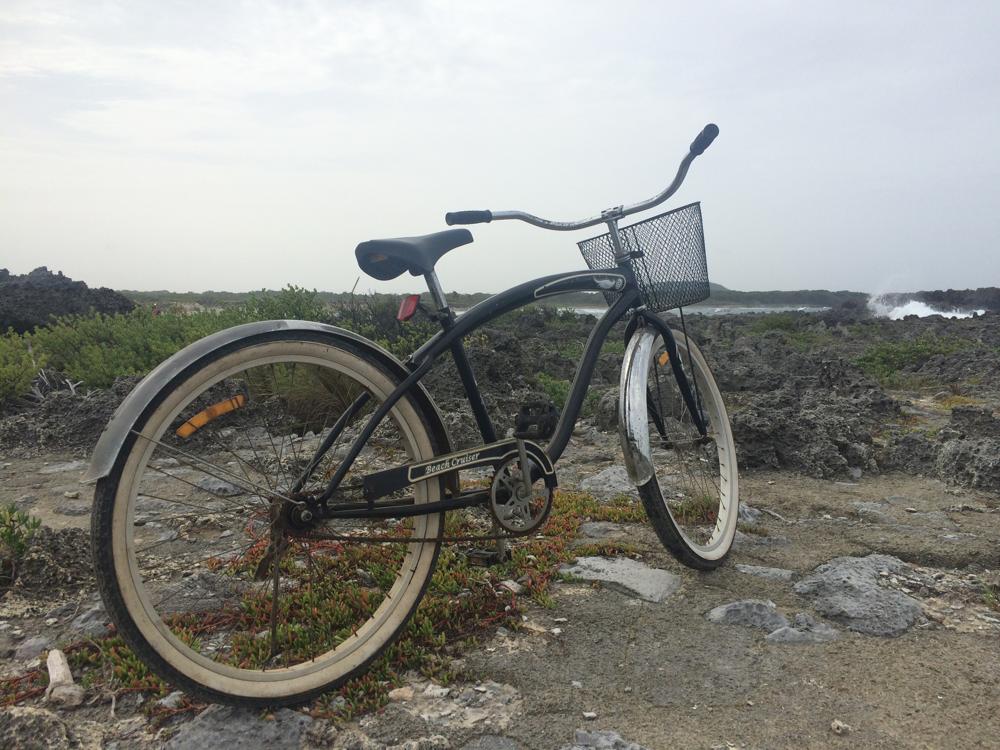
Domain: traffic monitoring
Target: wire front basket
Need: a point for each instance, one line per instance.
(668, 257)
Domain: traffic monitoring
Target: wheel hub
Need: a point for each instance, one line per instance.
(300, 513)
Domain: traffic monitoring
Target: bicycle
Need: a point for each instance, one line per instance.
(317, 470)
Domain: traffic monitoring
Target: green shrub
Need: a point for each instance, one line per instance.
(95, 349)
(291, 303)
(16, 530)
(17, 367)
(557, 390)
(374, 317)
(761, 324)
(885, 360)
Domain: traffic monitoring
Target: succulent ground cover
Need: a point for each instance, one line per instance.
(463, 604)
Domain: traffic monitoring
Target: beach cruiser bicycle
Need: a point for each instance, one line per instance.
(270, 501)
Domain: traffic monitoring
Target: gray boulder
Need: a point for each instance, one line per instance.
(230, 728)
(846, 590)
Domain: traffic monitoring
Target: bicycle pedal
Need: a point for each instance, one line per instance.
(484, 558)
(536, 421)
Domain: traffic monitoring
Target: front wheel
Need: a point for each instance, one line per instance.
(692, 495)
(207, 565)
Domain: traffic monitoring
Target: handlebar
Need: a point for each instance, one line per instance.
(468, 217)
(698, 146)
(704, 139)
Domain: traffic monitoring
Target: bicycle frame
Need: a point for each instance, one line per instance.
(620, 280)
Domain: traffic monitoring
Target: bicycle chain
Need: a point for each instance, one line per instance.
(410, 539)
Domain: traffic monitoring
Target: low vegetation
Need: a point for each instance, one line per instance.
(95, 349)
(16, 530)
(889, 361)
(463, 604)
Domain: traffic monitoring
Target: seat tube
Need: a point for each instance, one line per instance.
(437, 293)
(462, 364)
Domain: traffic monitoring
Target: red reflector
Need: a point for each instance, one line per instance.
(408, 307)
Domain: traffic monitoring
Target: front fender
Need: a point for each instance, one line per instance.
(633, 419)
(135, 405)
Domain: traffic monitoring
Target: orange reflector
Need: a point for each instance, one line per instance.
(408, 307)
(663, 359)
(205, 416)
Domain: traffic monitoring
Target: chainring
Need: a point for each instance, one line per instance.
(514, 509)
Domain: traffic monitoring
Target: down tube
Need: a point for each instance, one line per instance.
(585, 370)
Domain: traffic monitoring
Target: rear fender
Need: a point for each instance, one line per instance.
(143, 397)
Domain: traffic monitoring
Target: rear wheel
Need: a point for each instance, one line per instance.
(692, 499)
(206, 561)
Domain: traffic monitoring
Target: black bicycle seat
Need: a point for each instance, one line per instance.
(387, 259)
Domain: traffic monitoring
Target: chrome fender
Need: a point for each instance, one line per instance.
(142, 397)
(633, 422)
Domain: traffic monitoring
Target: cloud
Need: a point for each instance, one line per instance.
(200, 130)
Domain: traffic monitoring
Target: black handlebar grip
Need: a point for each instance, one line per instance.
(468, 217)
(704, 139)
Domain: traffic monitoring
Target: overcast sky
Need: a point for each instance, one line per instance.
(240, 145)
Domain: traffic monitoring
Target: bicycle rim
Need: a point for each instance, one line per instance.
(696, 479)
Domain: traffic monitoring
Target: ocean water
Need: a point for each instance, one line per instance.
(878, 306)
(715, 310)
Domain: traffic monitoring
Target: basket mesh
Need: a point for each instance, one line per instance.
(668, 257)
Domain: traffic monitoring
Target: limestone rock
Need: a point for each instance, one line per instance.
(609, 483)
(754, 613)
(33, 648)
(26, 728)
(62, 691)
(231, 728)
(846, 590)
(630, 576)
(804, 629)
(771, 574)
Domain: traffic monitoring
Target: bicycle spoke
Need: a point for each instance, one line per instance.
(228, 474)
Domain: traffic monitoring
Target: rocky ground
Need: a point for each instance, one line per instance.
(858, 609)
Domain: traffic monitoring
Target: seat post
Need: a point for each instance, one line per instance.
(437, 293)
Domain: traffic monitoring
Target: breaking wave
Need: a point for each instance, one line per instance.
(883, 308)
